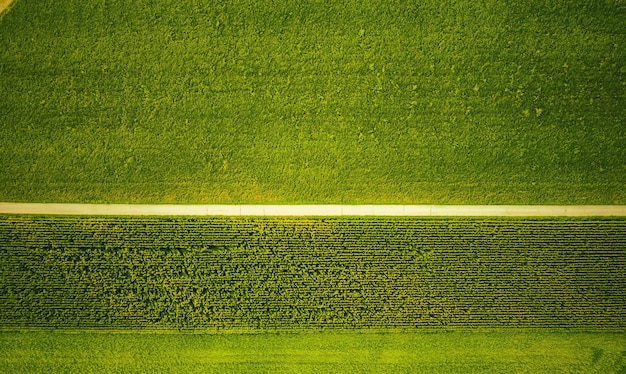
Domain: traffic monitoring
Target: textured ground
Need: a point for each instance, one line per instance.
(349, 102)
(274, 273)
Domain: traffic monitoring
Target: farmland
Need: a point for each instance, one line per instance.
(265, 274)
(496, 102)
(313, 102)
(416, 351)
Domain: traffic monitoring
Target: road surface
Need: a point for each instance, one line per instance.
(316, 210)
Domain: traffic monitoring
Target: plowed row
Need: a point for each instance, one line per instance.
(262, 273)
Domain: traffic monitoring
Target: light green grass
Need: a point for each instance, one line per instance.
(349, 101)
(441, 351)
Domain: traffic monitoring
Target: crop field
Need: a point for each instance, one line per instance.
(290, 274)
(377, 101)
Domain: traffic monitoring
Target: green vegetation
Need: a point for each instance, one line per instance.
(350, 101)
(292, 274)
(417, 351)
(376, 101)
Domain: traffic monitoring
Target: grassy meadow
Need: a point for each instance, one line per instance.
(244, 101)
(416, 351)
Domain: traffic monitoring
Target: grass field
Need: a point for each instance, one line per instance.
(310, 101)
(422, 351)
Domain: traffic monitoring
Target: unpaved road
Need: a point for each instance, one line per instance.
(4, 4)
(316, 210)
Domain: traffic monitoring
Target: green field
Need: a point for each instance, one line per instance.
(372, 101)
(375, 101)
(416, 351)
(290, 274)
(266, 295)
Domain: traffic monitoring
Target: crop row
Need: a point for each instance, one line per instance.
(299, 273)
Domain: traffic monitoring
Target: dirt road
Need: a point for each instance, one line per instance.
(4, 4)
(317, 210)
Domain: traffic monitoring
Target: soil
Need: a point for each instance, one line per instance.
(4, 4)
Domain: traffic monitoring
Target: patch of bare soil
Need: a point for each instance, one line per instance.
(4, 4)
